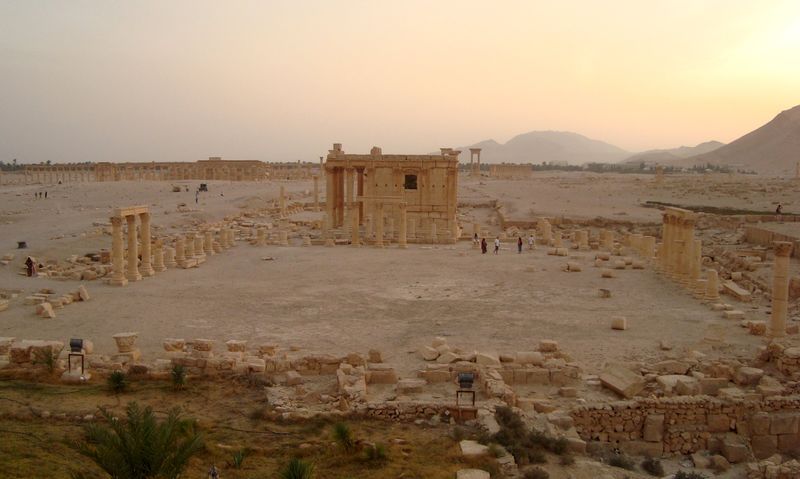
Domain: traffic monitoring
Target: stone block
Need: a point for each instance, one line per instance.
(472, 448)
(719, 423)
(537, 376)
(764, 446)
(733, 314)
(293, 378)
(202, 344)
(487, 359)
(642, 448)
(236, 346)
(382, 377)
(653, 430)
(410, 386)
(435, 376)
(256, 365)
(472, 474)
(623, 381)
(83, 295)
(374, 356)
(619, 323)
(448, 358)
(784, 423)
(572, 267)
(671, 366)
(530, 357)
(174, 344)
(747, 376)
(789, 443)
(712, 386)
(760, 424)
(20, 353)
(548, 346)
(45, 310)
(734, 450)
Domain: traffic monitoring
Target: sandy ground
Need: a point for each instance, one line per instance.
(346, 299)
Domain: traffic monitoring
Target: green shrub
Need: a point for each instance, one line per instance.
(376, 454)
(140, 446)
(47, 358)
(238, 458)
(653, 467)
(622, 461)
(117, 382)
(178, 375)
(344, 437)
(297, 469)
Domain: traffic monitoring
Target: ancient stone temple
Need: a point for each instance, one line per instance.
(389, 196)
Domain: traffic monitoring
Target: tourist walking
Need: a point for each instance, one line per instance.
(497, 245)
(519, 244)
(779, 209)
(484, 246)
(531, 241)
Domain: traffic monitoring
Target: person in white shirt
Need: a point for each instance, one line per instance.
(496, 245)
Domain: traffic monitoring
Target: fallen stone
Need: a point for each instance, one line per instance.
(472, 448)
(623, 381)
(619, 323)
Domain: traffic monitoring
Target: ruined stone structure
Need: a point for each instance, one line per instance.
(388, 195)
(121, 275)
(510, 171)
(780, 290)
(475, 166)
(214, 168)
(677, 255)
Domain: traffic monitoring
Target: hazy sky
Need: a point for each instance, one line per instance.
(174, 80)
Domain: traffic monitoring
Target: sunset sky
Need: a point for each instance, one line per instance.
(282, 80)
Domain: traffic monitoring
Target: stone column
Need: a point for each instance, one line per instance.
(688, 252)
(696, 262)
(147, 268)
(189, 246)
(712, 285)
(402, 240)
(180, 252)
(261, 237)
(231, 237)
(379, 225)
(316, 192)
(558, 241)
(349, 204)
(583, 240)
(355, 239)
(198, 247)
(649, 247)
(282, 202)
(283, 238)
(117, 254)
(158, 256)
(169, 257)
(133, 250)
(780, 290)
(208, 243)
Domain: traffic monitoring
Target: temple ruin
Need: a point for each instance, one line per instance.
(391, 196)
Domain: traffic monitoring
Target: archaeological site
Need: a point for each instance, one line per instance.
(360, 284)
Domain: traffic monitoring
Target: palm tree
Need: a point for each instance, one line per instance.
(141, 447)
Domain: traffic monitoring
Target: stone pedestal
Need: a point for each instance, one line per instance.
(712, 285)
(208, 242)
(199, 254)
(180, 252)
(158, 257)
(283, 238)
(169, 257)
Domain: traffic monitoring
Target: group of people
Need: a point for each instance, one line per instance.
(38, 194)
(485, 247)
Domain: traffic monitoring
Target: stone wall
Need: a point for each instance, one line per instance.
(687, 424)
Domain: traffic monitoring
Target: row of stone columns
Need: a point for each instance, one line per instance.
(189, 250)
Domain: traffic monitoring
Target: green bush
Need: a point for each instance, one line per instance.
(621, 461)
(117, 382)
(178, 375)
(297, 469)
(376, 454)
(653, 467)
(344, 437)
(141, 447)
(238, 458)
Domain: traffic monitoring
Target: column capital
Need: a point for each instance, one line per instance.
(783, 248)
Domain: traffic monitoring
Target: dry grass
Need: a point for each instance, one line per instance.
(37, 447)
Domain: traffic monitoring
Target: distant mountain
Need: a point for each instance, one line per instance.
(549, 146)
(772, 149)
(652, 157)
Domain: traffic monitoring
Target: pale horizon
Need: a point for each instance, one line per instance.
(282, 81)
